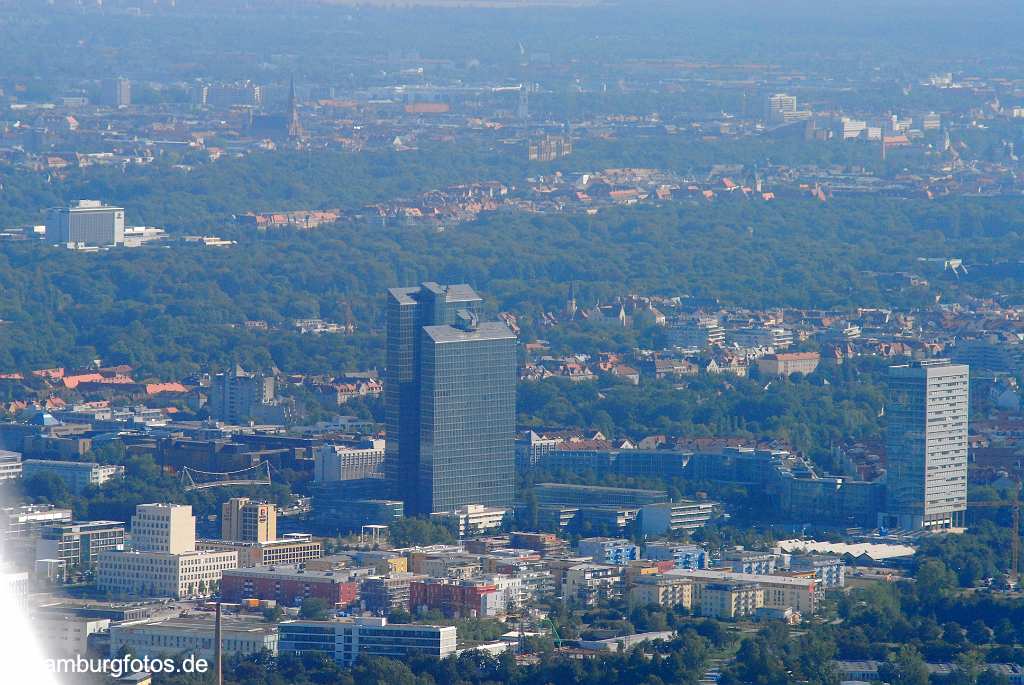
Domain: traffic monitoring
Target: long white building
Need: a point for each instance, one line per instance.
(169, 637)
(345, 640)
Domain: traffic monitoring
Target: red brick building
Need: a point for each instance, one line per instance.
(454, 598)
(288, 585)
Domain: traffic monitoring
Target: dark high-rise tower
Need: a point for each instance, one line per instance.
(450, 400)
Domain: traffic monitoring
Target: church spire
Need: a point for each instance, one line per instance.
(294, 124)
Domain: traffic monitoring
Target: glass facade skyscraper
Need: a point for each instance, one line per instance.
(926, 444)
(450, 400)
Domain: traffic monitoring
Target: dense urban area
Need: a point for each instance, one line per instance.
(512, 342)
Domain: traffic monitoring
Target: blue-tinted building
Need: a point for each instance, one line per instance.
(450, 400)
(609, 550)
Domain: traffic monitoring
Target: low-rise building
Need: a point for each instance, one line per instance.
(779, 592)
(624, 643)
(10, 465)
(446, 565)
(684, 556)
(665, 591)
(173, 636)
(730, 600)
(544, 543)
(293, 548)
(78, 544)
(573, 495)
(27, 522)
(786, 363)
(666, 517)
(608, 550)
(163, 574)
(475, 519)
(462, 598)
(345, 640)
(290, 585)
(62, 633)
(349, 462)
(76, 475)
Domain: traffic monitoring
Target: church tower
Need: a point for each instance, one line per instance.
(570, 303)
(295, 131)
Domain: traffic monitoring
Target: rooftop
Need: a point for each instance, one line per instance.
(490, 330)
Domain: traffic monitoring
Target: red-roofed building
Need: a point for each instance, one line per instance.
(157, 388)
(786, 363)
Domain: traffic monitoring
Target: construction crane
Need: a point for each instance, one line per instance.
(1014, 505)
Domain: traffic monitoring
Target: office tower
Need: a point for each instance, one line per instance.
(117, 92)
(243, 520)
(89, 223)
(467, 419)
(450, 400)
(926, 445)
(167, 528)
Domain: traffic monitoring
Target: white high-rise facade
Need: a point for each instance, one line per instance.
(926, 448)
(167, 528)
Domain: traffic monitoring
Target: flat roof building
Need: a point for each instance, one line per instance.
(77, 475)
(780, 592)
(450, 400)
(10, 465)
(293, 548)
(345, 640)
(27, 521)
(173, 636)
(185, 575)
(243, 520)
(78, 544)
(571, 495)
(290, 585)
(88, 223)
(167, 528)
(926, 444)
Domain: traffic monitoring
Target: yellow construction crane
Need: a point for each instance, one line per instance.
(1014, 505)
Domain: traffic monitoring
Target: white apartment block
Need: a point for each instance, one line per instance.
(342, 462)
(731, 600)
(780, 592)
(475, 519)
